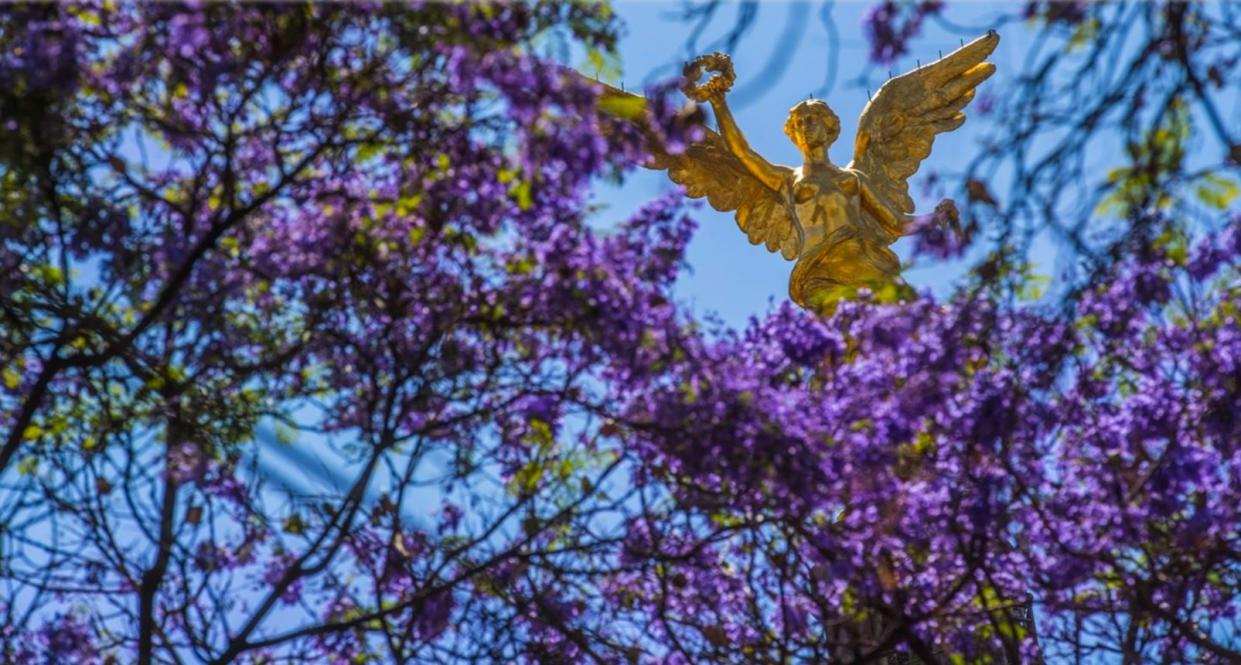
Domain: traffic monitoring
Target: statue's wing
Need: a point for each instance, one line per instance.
(707, 168)
(899, 124)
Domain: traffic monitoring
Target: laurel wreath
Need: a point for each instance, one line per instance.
(717, 85)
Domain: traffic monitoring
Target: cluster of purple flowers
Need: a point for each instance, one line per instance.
(889, 26)
(926, 456)
(1070, 12)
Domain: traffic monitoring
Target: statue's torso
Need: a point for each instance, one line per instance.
(826, 198)
(839, 253)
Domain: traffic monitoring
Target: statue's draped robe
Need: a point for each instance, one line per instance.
(845, 248)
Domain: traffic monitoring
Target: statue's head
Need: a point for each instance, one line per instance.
(811, 124)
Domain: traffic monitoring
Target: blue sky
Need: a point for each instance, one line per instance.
(729, 276)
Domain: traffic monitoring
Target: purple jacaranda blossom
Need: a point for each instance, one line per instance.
(188, 31)
(63, 637)
(276, 570)
(210, 556)
(985, 103)
(1070, 12)
(186, 461)
(335, 648)
(1215, 253)
(450, 517)
(540, 407)
(940, 234)
(43, 56)
(432, 615)
(221, 481)
(889, 26)
(912, 451)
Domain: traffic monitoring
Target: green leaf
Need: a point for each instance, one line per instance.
(530, 525)
(527, 478)
(285, 435)
(293, 524)
(28, 465)
(369, 151)
(11, 378)
(230, 246)
(49, 274)
(1034, 287)
(523, 266)
(1083, 35)
(520, 191)
(408, 204)
(1217, 191)
(540, 434)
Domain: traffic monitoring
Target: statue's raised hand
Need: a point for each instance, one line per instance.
(717, 86)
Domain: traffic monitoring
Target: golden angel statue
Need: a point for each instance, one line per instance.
(836, 222)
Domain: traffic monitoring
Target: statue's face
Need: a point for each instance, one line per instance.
(813, 130)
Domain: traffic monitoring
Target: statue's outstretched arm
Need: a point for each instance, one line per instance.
(882, 210)
(769, 174)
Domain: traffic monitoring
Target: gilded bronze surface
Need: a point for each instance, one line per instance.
(836, 222)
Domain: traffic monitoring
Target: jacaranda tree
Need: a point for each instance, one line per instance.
(233, 234)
